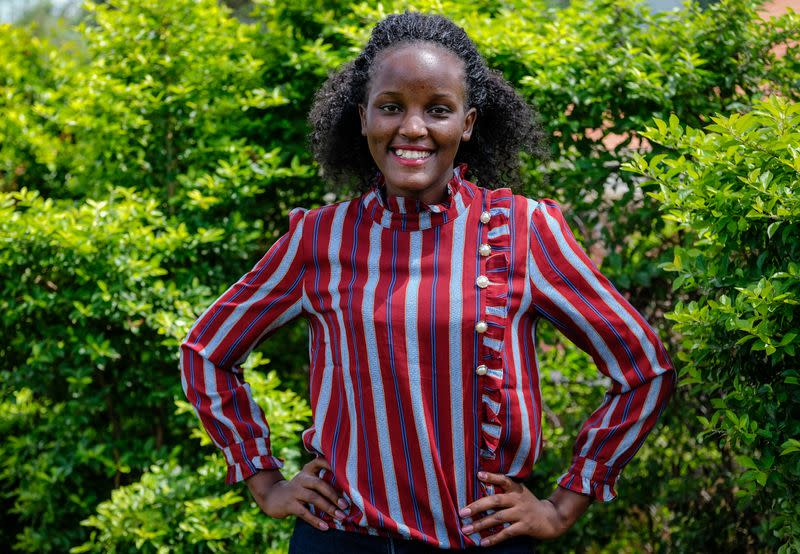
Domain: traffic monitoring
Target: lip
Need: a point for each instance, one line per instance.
(407, 162)
(411, 147)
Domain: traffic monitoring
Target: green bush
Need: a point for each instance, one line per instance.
(174, 508)
(145, 168)
(733, 192)
(30, 142)
(92, 310)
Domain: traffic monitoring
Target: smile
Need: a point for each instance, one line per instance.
(412, 154)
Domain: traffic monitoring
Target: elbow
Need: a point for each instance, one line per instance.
(669, 373)
(667, 383)
(672, 380)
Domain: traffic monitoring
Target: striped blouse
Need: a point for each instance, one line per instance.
(422, 351)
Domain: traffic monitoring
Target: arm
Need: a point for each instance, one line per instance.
(280, 498)
(268, 296)
(570, 291)
(525, 514)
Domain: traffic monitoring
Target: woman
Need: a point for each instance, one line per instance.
(422, 297)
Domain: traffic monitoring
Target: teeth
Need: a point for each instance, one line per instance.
(412, 154)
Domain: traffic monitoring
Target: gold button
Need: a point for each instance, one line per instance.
(481, 326)
(481, 370)
(485, 250)
(482, 281)
(485, 217)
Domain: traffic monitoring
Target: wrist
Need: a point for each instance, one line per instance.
(568, 506)
(263, 482)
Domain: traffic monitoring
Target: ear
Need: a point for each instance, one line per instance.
(469, 123)
(362, 113)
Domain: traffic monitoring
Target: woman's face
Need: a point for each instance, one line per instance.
(415, 117)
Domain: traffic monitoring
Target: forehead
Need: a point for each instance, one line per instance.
(422, 66)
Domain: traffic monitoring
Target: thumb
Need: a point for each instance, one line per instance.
(317, 464)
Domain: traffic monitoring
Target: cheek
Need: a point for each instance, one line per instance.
(377, 133)
(450, 138)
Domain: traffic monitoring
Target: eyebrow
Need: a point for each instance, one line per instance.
(436, 95)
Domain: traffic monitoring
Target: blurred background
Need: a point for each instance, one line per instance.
(150, 153)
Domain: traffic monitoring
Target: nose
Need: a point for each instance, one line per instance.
(413, 126)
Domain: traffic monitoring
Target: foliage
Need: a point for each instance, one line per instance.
(598, 71)
(733, 191)
(91, 313)
(174, 508)
(147, 166)
(29, 141)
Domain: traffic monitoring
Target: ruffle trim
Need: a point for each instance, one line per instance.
(496, 233)
(247, 458)
(405, 214)
(591, 478)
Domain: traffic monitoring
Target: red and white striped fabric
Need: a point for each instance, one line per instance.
(422, 350)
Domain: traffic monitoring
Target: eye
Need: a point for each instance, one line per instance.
(440, 110)
(389, 108)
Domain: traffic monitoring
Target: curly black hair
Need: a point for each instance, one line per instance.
(505, 126)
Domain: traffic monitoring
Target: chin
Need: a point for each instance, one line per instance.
(414, 183)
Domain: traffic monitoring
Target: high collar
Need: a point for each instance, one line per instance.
(406, 214)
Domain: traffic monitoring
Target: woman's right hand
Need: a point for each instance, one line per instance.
(280, 498)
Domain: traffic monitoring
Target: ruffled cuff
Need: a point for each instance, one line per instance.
(591, 478)
(247, 458)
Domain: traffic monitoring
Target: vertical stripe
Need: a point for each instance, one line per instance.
(397, 405)
(395, 373)
(376, 381)
(434, 319)
(323, 399)
(418, 409)
(523, 450)
(352, 464)
(476, 403)
(210, 380)
(334, 248)
(532, 364)
(457, 368)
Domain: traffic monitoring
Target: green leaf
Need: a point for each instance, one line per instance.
(746, 461)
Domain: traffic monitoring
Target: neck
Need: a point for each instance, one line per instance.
(432, 195)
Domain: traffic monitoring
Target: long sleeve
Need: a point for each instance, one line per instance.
(268, 296)
(569, 291)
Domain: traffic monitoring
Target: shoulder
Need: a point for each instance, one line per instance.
(532, 209)
(304, 216)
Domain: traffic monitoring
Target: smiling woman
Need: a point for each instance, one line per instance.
(422, 296)
(415, 118)
(504, 124)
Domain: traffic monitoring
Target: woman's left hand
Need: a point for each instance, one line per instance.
(526, 514)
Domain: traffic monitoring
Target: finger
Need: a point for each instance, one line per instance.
(317, 464)
(494, 502)
(313, 468)
(498, 479)
(326, 490)
(513, 530)
(312, 497)
(305, 514)
(492, 520)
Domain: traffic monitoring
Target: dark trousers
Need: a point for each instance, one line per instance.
(306, 539)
